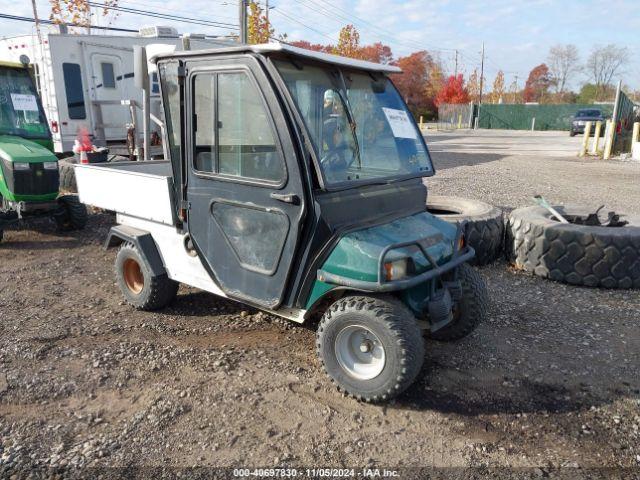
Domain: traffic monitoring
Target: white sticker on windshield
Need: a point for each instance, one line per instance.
(24, 102)
(400, 123)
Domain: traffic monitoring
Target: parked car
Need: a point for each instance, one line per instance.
(581, 118)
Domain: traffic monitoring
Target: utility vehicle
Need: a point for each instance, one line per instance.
(294, 183)
(29, 177)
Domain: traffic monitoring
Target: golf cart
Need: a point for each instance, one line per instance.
(295, 185)
(29, 177)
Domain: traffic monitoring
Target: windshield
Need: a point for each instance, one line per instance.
(360, 128)
(20, 111)
(588, 113)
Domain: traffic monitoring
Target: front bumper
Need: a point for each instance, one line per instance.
(458, 258)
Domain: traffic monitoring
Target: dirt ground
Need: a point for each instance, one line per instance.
(548, 386)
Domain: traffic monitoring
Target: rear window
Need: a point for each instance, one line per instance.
(588, 113)
(73, 90)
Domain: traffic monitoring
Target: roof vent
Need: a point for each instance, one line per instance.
(157, 31)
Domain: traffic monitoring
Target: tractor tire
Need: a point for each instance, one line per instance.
(140, 287)
(385, 327)
(1, 235)
(72, 215)
(470, 311)
(593, 256)
(484, 229)
(67, 175)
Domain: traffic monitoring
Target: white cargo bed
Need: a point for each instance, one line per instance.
(137, 189)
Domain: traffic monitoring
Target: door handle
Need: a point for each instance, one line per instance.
(291, 198)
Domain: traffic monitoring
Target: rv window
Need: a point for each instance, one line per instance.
(73, 90)
(108, 77)
(155, 87)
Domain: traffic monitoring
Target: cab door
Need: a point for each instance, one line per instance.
(244, 191)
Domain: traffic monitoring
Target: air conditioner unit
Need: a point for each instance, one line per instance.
(157, 31)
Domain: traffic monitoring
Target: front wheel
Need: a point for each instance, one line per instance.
(72, 214)
(370, 347)
(470, 310)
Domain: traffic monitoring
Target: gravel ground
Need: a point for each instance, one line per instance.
(548, 386)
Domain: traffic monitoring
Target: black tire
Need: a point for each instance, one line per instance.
(470, 311)
(572, 133)
(67, 175)
(593, 256)
(152, 292)
(484, 229)
(72, 215)
(1, 235)
(396, 330)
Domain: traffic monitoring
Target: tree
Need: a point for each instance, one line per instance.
(376, 52)
(414, 80)
(77, 12)
(590, 92)
(537, 84)
(498, 88)
(348, 42)
(473, 86)
(436, 79)
(259, 28)
(563, 62)
(453, 91)
(604, 63)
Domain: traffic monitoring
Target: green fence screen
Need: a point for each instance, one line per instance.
(520, 117)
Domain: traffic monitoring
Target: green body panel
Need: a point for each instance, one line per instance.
(357, 254)
(17, 149)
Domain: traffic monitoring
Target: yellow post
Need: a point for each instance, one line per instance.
(596, 138)
(585, 139)
(608, 139)
(459, 121)
(636, 132)
(421, 126)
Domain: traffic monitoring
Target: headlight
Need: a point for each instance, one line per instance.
(50, 165)
(21, 166)
(398, 269)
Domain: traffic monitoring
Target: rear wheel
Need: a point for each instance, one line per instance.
(72, 214)
(139, 286)
(370, 347)
(470, 310)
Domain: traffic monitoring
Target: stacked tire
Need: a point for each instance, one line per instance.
(594, 256)
(67, 175)
(484, 228)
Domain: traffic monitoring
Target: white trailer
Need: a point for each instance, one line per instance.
(86, 81)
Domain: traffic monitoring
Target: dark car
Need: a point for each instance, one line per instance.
(581, 118)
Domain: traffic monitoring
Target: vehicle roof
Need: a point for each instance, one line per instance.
(266, 48)
(12, 64)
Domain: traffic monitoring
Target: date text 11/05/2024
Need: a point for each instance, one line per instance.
(316, 472)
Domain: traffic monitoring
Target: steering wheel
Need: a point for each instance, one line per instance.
(334, 158)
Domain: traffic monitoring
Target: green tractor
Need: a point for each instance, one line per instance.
(29, 175)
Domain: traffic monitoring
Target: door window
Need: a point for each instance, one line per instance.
(73, 90)
(108, 76)
(233, 132)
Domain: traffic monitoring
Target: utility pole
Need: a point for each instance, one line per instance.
(243, 22)
(456, 69)
(481, 73)
(266, 12)
(37, 21)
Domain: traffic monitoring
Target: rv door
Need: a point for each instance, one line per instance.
(110, 84)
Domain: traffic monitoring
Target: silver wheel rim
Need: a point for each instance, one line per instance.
(360, 352)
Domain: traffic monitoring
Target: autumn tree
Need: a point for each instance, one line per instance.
(563, 62)
(537, 84)
(316, 47)
(259, 28)
(376, 52)
(498, 88)
(473, 86)
(453, 91)
(414, 80)
(77, 12)
(348, 42)
(436, 81)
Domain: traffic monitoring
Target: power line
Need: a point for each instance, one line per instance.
(178, 18)
(49, 22)
(280, 12)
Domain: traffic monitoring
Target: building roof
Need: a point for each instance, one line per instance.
(266, 48)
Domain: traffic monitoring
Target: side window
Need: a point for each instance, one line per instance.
(108, 76)
(74, 91)
(233, 134)
(155, 87)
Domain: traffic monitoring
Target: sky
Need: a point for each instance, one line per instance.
(517, 33)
